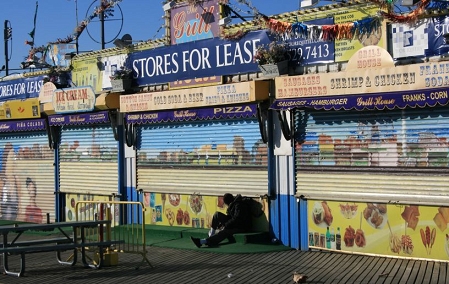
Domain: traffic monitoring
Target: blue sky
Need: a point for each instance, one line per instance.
(58, 19)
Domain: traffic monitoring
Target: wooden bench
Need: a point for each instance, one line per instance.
(76, 241)
(62, 244)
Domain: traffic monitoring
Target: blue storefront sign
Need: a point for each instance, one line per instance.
(20, 89)
(379, 101)
(197, 59)
(437, 29)
(240, 111)
(426, 38)
(306, 46)
(79, 118)
(22, 125)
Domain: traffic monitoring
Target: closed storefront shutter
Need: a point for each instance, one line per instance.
(208, 157)
(88, 160)
(384, 156)
(27, 177)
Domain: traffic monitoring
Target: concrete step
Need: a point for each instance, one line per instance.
(253, 237)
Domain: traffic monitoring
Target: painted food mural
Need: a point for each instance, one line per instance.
(196, 210)
(182, 210)
(386, 229)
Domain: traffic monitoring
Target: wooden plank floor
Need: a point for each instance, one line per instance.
(201, 266)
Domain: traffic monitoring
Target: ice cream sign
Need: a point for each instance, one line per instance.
(79, 99)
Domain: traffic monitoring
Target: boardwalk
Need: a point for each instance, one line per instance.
(199, 266)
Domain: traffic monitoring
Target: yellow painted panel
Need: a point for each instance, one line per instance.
(190, 210)
(19, 109)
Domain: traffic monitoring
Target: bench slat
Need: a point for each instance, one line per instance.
(61, 247)
(103, 244)
(31, 249)
(44, 241)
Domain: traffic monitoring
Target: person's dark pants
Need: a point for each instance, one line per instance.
(218, 220)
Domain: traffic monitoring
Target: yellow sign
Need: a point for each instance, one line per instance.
(86, 73)
(370, 57)
(71, 100)
(197, 82)
(344, 49)
(237, 93)
(20, 109)
(369, 71)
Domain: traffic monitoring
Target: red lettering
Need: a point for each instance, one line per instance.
(178, 24)
(71, 96)
(183, 28)
(82, 94)
(60, 97)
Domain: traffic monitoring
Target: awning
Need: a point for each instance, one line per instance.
(379, 101)
(79, 118)
(107, 101)
(200, 97)
(22, 125)
(222, 112)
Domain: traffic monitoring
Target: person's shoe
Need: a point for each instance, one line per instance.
(196, 241)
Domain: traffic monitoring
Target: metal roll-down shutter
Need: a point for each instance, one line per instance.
(208, 157)
(27, 177)
(396, 156)
(88, 160)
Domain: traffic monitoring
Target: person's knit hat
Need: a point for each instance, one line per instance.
(228, 198)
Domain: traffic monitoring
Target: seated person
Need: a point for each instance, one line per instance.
(236, 220)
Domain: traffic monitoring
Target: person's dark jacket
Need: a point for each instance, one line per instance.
(239, 213)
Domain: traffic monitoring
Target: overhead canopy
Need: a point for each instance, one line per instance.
(79, 118)
(22, 125)
(107, 101)
(379, 101)
(205, 96)
(235, 111)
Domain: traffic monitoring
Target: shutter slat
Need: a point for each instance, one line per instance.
(88, 160)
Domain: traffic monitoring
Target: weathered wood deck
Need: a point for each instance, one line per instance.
(201, 266)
